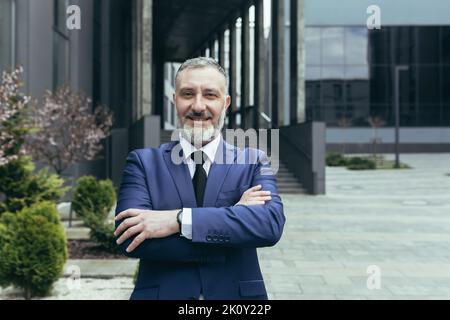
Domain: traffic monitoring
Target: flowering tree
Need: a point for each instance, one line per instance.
(375, 122)
(13, 124)
(66, 130)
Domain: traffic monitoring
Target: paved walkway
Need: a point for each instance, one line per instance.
(396, 220)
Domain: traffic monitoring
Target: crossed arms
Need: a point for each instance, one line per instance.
(153, 235)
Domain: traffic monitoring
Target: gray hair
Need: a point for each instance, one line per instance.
(203, 62)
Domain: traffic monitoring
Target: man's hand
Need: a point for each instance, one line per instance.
(147, 224)
(253, 196)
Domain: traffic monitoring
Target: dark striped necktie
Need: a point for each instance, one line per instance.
(199, 179)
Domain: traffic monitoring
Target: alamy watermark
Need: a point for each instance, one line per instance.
(241, 139)
(74, 280)
(374, 279)
(73, 21)
(374, 20)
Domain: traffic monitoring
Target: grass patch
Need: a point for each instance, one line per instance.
(370, 162)
(390, 164)
(336, 159)
(360, 163)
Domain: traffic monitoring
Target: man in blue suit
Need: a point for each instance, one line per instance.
(195, 210)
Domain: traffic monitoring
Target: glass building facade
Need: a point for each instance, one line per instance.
(7, 34)
(350, 75)
(61, 44)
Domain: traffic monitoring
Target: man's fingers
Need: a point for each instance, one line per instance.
(127, 223)
(259, 193)
(265, 198)
(137, 241)
(255, 188)
(128, 213)
(129, 233)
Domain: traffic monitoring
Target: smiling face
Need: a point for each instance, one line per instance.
(201, 102)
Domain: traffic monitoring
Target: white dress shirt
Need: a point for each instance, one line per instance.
(210, 150)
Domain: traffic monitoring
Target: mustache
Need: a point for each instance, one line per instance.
(204, 115)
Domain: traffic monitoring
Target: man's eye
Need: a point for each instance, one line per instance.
(187, 94)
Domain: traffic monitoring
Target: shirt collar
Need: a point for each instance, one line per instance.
(209, 149)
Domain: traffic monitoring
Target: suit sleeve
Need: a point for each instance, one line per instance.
(243, 226)
(134, 194)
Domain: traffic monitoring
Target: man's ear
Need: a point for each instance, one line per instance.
(173, 98)
(227, 102)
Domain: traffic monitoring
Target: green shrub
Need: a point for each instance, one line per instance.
(92, 195)
(335, 159)
(33, 249)
(136, 273)
(359, 163)
(92, 201)
(101, 232)
(23, 187)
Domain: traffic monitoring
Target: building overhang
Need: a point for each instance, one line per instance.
(182, 27)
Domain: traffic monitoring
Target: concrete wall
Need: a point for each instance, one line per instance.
(412, 140)
(387, 135)
(305, 157)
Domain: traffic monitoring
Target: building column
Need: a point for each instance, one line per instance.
(297, 61)
(245, 66)
(142, 58)
(211, 49)
(278, 25)
(221, 40)
(258, 62)
(232, 74)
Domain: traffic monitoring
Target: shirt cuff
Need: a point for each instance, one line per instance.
(186, 223)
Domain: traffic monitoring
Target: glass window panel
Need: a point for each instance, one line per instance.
(445, 86)
(379, 52)
(332, 91)
(380, 84)
(356, 39)
(358, 91)
(445, 121)
(332, 46)
(333, 72)
(356, 72)
(312, 73)
(382, 110)
(428, 45)
(405, 42)
(428, 88)
(312, 46)
(429, 115)
(445, 44)
(312, 92)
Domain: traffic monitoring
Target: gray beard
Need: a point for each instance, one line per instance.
(198, 136)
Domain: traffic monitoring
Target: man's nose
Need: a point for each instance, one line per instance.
(199, 104)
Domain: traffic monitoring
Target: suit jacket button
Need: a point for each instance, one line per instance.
(214, 238)
(208, 238)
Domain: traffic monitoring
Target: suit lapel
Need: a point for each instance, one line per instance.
(180, 174)
(179, 171)
(224, 159)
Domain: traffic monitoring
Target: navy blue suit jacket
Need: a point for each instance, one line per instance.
(221, 260)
